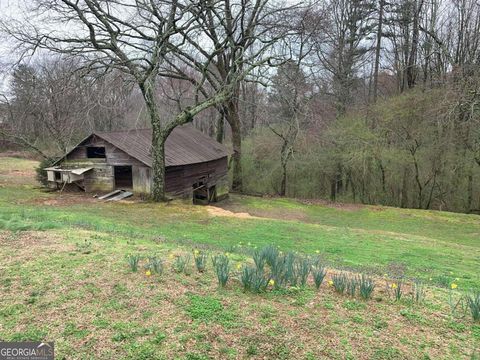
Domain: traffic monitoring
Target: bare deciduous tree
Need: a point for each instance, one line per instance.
(236, 37)
(133, 37)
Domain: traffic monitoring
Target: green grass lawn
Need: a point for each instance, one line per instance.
(94, 307)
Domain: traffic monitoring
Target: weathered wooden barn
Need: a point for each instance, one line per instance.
(196, 165)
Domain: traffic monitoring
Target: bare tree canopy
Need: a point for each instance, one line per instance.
(358, 100)
(216, 40)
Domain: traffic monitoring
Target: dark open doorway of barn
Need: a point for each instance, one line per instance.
(123, 177)
(202, 194)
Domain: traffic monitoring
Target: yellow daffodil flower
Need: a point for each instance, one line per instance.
(454, 286)
(330, 282)
(148, 273)
(271, 282)
(239, 266)
(393, 286)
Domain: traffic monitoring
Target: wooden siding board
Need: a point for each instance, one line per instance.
(141, 179)
(180, 179)
(114, 156)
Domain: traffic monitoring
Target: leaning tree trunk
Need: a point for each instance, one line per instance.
(237, 182)
(158, 142)
(234, 120)
(158, 154)
(284, 162)
(220, 126)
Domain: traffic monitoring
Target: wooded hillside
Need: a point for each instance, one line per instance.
(361, 100)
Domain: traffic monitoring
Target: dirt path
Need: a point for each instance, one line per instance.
(216, 211)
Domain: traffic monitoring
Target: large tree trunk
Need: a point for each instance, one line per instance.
(283, 184)
(220, 126)
(284, 162)
(159, 136)
(158, 154)
(237, 182)
(233, 119)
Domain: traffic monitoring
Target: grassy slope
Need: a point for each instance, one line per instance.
(437, 245)
(91, 302)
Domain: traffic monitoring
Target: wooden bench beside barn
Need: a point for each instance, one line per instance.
(196, 165)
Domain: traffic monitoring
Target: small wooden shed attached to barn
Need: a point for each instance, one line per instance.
(196, 165)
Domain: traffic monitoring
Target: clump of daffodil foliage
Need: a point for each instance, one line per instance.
(201, 259)
(221, 265)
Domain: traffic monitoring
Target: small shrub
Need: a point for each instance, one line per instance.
(155, 265)
(352, 285)
(180, 264)
(221, 265)
(418, 292)
(133, 261)
(319, 274)
(366, 287)
(200, 260)
(41, 174)
(254, 279)
(340, 282)
(473, 302)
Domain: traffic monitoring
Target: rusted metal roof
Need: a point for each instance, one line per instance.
(185, 145)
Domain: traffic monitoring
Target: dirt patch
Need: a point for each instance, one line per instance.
(216, 211)
(67, 199)
(27, 239)
(25, 173)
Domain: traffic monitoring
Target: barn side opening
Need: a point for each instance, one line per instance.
(204, 194)
(123, 177)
